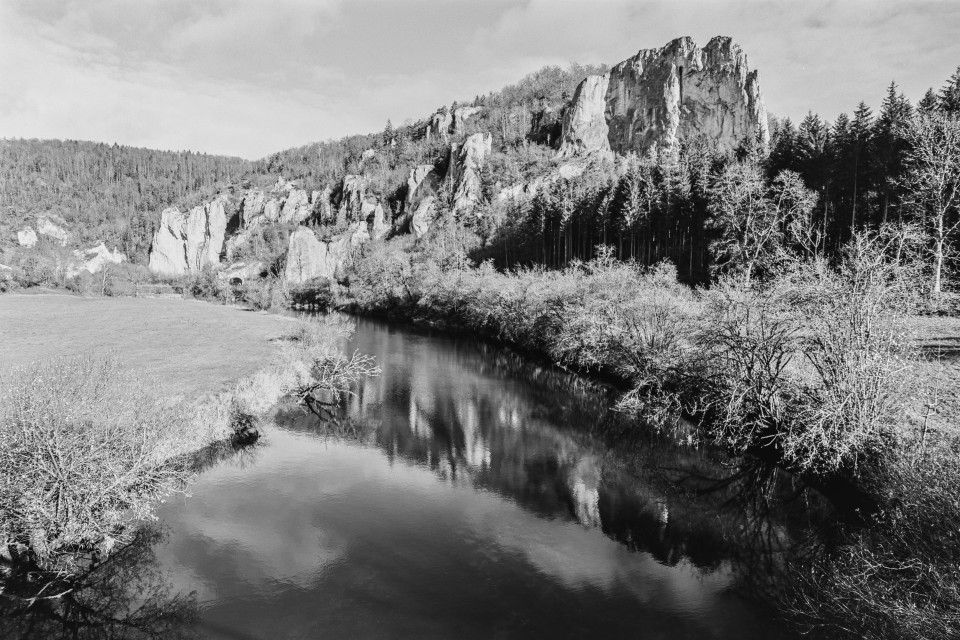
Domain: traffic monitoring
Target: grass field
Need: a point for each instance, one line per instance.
(190, 348)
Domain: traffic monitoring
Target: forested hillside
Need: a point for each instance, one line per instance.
(105, 193)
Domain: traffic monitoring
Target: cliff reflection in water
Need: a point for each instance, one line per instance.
(482, 416)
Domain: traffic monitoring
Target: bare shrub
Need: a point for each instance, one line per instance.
(85, 450)
(815, 363)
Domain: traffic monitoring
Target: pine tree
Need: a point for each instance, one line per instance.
(860, 138)
(387, 137)
(949, 100)
(928, 103)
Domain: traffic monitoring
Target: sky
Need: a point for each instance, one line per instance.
(250, 77)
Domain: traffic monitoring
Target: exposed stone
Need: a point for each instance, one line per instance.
(466, 163)
(205, 229)
(438, 125)
(271, 210)
(585, 128)
(251, 207)
(423, 217)
(47, 228)
(168, 255)
(296, 207)
(320, 201)
(380, 226)
(96, 258)
(308, 257)
(352, 197)
(27, 237)
(422, 183)
(662, 98)
(461, 115)
(359, 234)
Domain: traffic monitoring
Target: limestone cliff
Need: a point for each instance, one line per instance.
(662, 98)
(466, 163)
(168, 252)
(585, 127)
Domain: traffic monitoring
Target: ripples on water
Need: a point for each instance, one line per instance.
(463, 497)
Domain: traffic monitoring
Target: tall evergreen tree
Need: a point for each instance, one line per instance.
(949, 99)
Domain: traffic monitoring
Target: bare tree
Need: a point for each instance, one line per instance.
(932, 183)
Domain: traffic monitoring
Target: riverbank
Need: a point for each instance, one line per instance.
(104, 403)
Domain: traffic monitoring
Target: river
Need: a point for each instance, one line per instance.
(465, 493)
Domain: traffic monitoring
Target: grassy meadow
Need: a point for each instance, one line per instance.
(189, 348)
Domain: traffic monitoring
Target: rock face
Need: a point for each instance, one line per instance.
(423, 217)
(98, 257)
(252, 206)
(461, 115)
(438, 125)
(422, 183)
(187, 244)
(296, 208)
(352, 198)
(585, 129)
(466, 163)
(47, 228)
(168, 255)
(206, 228)
(662, 98)
(27, 237)
(308, 257)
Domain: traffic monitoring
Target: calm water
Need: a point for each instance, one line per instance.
(467, 500)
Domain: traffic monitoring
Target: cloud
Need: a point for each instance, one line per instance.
(250, 77)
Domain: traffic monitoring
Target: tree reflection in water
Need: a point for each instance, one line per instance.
(125, 596)
(482, 416)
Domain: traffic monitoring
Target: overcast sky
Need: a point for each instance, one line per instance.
(249, 77)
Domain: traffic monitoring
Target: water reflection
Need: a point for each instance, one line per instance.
(465, 493)
(127, 596)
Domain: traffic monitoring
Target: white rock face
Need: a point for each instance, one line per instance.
(187, 244)
(322, 205)
(27, 237)
(423, 217)
(168, 255)
(205, 230)
(271, 210)
(438, 125)
(47, 228)
(308, 257)
(662, 98)
(352, 199)
(252, 205)
(422, 183)
(585, 128)
(296, 207)
(96, 258)
(380, 227)
(466, 163)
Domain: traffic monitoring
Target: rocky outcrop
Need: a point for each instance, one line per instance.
(96, 258)
(168, 255)
(54, 231)
(321, 204)
(423, 182)
(585, 128)
(187, 244)
(251, 207)
(352, 198)
(296, 208)
(206, 231)
(423, 217)
(461, 115)
(438, 125)
(379, 227)
(27, 237)
(662, 98)
(309, 257)
(271, 211)
(466, 164)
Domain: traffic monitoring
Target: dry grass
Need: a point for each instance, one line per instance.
(190, 348)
